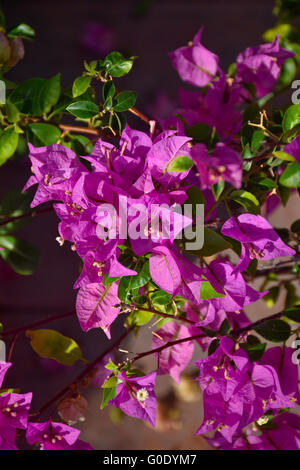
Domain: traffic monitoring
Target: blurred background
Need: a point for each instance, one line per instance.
(67, 32)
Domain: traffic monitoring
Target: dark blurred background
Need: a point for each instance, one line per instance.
(67, 32)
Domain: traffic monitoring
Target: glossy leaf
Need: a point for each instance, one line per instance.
(83, 109)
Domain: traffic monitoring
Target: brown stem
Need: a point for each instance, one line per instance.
(238, 332)
(82, 375)
(166, 345)
(11, 349)
(81, 130)
(28, 214)
(34, 325)
(279, 268)
(138, 113)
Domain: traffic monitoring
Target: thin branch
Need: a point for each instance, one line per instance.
(238, 332)
(28, 214)
(169, 344)
(166, 315)
(81, 130)
(36, 324)
(138, 113)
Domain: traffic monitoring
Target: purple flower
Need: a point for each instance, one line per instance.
(229, 282)
(13, 412)
(54, 169)
(96, 306)
(175, 359)
(174, 273)
(280, 433)
(257, 237)
(55, 436)
(194, 63)
(135, 396)
(224, 164)
(219, 108)
(237, 392)
(260, 65)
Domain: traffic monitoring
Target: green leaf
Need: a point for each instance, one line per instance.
(9, 139)
(291, 296)
(200, 132)
(108, 90)
(247, 200)
(213, 346)
(213, 243)
(138, 318)
(263, 183)
(13, 204)
(23, 29)
(51, 344)
(110, 382)
(255, 351)
(295, 227)
(271, 297)
(123, 289)
(208, 292)
(12, 112)
(130, 284)
(293, 313)
(107, 105)
(224, 328)
(283, 156)
(116, 65)
(287, 73)
(83, 109)
(291, 117)
(80, 85)
(291, 176)
(50, 93)
(285, 31)
(40, 134)
(218, 188)
(27, 96)
(81, 145)
(160, 297)
(108, 394)
(111, 365)
(274, 330)
(284, 194)
(124, 101)
(179, 164)
(142, 278)
(21, 255)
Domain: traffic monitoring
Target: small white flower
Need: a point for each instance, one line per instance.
(142, 395)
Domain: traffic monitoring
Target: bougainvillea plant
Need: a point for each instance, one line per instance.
(129, 203)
